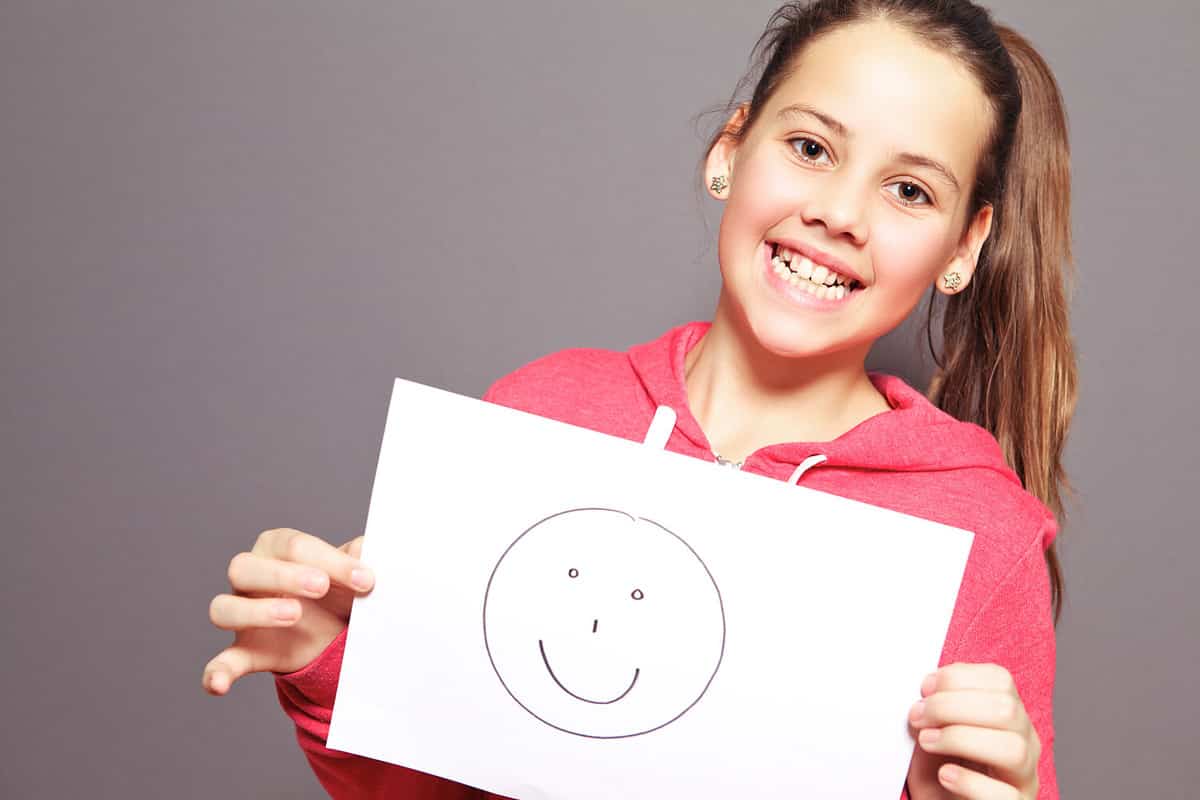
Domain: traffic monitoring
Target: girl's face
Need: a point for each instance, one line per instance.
(866, 154)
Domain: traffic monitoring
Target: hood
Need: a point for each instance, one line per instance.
(915, 436)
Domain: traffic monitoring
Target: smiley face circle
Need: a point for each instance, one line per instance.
(603, 624)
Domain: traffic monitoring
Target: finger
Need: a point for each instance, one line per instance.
(250, 573)
(1007, 751)
(353, 548)
(226, 667)
(288, 544)
(969, 676)
(232, 613)
(973, 785)
(988, 709)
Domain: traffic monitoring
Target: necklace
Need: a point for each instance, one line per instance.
(726, 462)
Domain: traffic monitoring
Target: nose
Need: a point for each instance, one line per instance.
(837, 202)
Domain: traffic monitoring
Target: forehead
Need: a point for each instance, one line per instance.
(892, 92)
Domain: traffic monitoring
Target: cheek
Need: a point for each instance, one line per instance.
(908, 254)
(766, 193)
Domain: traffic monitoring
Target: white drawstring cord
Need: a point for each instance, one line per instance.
(811, 461)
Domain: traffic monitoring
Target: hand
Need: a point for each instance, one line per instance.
(292, 597)
(975, 740)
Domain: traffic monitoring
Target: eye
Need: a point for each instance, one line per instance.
(809, 149)
(572, 573)
(636, 594)
(909, 191)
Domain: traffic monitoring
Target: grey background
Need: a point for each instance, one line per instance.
(226, 227)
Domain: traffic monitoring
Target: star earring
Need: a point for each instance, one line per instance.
(718, 184)
(952, 281)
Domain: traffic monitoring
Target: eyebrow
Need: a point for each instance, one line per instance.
(915, 159)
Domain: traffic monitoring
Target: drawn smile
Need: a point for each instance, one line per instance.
(546, 661)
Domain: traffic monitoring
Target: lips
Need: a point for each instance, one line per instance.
(801, 291)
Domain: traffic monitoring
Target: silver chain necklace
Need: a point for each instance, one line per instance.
(726, 462)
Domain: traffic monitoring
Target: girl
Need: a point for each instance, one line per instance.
(888, 145)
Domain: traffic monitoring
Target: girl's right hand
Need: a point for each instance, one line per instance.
(292, 597)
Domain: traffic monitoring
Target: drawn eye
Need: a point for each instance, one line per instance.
(572, 573)
(636, 594)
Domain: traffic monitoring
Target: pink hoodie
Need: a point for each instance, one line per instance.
(914, 459)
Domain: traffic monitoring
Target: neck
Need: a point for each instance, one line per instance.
(746, 397)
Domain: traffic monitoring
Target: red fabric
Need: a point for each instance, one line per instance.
(914, 459)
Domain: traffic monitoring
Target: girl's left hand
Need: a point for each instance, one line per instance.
(974, 738)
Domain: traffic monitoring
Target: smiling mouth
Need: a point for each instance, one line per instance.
(546, 661)
(802, 271)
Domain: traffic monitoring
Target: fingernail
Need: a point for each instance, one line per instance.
(284, 610)
(929, 684)
(314, 581)
(361, 579)
(929, 736)
(917, 711)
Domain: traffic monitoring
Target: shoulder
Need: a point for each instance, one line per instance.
(562, 370)
(976, 483)
(586, 386)
(1011, 519)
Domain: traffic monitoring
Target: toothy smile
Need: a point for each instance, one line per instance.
(818, 279)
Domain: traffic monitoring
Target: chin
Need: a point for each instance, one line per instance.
(785, 332)
(788, 337)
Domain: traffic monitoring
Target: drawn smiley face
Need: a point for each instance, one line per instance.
(603, 624)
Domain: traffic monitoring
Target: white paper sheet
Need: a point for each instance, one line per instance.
(559, 613)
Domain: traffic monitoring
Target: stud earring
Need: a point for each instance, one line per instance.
(953, 281)
(718, 184)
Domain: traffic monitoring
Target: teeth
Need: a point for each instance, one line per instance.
(805, 267)
(816, 280)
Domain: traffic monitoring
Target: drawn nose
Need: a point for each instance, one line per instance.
(595, 624)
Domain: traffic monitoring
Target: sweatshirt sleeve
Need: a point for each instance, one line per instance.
(1014, 628)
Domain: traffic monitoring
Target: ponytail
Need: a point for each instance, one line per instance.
(1008, 360)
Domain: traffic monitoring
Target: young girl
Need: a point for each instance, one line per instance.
(888, 145)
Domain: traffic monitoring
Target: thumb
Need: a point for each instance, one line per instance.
(353, 548)
(233, 662)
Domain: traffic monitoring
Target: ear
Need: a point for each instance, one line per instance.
(719, 164)
(966, 257)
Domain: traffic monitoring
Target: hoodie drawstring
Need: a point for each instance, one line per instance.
(811, 461)
(660, 428)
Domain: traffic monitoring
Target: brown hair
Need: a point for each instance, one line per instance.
(1008, 361)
